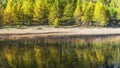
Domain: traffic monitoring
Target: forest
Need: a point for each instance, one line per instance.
(60, 12)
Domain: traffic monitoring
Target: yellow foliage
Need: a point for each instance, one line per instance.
(39, 11)
(100, 56)
(26, 6)
(9, 16)
(100, 14)
(78, 14)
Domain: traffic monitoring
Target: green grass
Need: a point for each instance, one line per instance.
(58, 53)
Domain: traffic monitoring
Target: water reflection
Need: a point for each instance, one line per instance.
(55, 55)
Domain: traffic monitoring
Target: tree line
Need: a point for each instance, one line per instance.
(60, 12)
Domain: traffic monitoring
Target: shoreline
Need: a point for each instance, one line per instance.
(50, 32)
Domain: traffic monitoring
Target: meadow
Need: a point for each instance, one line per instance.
(56, 53)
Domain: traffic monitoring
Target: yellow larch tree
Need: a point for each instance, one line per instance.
(9, 16)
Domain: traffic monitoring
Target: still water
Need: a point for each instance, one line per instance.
(47, 54)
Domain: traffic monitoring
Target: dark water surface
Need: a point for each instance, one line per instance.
(50, 54)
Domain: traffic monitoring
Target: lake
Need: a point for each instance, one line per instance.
(59, 53)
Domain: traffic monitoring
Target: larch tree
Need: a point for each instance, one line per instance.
(68, 14)
(84, 18)
(104, 16)
(113, 8)
(19, 13)
(90, 9)
(81, 12)
(97, 13)
(9, 16)
(88, 13)
(54, 13)
(1, 14)
(100, 14)
(118, 10)
(113, 12)
(40, 12)
(78, 13)
(27, 12)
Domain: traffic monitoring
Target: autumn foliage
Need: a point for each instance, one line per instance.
(46, 12)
